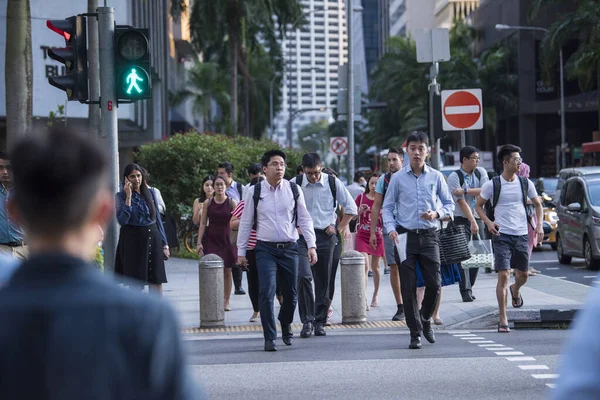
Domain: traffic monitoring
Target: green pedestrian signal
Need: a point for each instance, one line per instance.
(132, 61)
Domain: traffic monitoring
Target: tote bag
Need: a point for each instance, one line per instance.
(454, 246)
(482, 254)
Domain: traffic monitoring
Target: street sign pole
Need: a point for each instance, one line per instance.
(350, 5)
(463, 139)
(108, 118)
(434, 89)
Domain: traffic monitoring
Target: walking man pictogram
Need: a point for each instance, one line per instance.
(132, 80)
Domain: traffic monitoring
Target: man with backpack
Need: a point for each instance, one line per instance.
(395, 158)
(235, 191)
(507, 219)
(323, 192)
(274, 209)
(465, 184)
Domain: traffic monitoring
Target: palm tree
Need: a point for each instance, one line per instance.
(205, 82)
(583, 25)
(18, 70)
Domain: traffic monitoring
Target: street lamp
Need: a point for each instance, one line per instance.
(563, 134)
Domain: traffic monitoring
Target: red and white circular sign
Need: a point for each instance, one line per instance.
(462, 109)
(339, 145)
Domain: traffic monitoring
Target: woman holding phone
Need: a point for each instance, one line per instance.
(142, 248)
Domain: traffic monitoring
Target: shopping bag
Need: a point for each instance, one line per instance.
(454, 246)
(482, 254)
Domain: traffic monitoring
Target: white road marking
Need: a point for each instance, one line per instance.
(541, 261)
(481, 341)
(551, 385)
(530, 367)
(580, 267)
(453, 110)
(552, 269)
(520, 358)
(465, 335)
(509, 353)
(596, 282)
(500, 348)
(560, 277)
(545, 376)
(491, 345)
(590, 276)
(473, 338)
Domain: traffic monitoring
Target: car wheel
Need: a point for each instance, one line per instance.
(553, 245)
(563, 259)
(590, 263)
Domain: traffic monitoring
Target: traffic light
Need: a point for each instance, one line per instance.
(132, 60)
(73, 55)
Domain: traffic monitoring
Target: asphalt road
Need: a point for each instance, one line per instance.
(378, 365)
(545, 260)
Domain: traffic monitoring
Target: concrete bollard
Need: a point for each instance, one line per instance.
(354, 298)
(211, 289)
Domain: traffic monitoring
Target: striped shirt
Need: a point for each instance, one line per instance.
(237, 212)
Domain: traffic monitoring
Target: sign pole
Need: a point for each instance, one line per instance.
(434, 89)
(463, 139)
(108, 119)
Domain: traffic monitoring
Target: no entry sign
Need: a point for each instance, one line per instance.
(462, 109)
(339, 145)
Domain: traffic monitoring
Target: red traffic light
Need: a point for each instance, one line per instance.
(61, 26)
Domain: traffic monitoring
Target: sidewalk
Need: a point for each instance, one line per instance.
(540, 293)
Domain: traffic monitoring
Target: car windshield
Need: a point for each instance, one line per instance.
(550, 184)
(594, 192)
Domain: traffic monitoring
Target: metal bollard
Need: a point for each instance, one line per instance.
(211, 289)
(354, 299)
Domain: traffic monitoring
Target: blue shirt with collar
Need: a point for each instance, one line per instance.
(138, 214)
(10, 231)
(232, 191)
(319, 200)
(411, 196)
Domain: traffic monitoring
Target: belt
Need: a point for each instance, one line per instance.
(18, 243)
(278, 245)
(401, 229)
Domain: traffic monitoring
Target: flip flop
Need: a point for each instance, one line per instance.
(517, 302)
(503, 328)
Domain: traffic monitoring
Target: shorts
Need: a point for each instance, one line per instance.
(511, 252)
(389, 249)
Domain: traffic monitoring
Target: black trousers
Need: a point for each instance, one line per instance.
(313, 305)
(337, 255)
(252, 276)
(237, 277)
(424, 248)
(468, 277)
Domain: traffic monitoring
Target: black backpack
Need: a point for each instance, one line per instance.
(461, 177)
(332, 187)
(256, 197)
(239, 188)
(386, 182)
(497, 185)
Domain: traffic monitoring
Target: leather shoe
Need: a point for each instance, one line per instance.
(287, 335)
(466, 297)
(428, 332)
(240, 290)
(399, 316)
(270, 345)
(307, 330)
(415, 343)
(319, 330)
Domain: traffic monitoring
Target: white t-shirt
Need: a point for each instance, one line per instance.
(509, 213)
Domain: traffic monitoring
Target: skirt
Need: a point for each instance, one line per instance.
(362, 244)
(450, 275)
(140, 254)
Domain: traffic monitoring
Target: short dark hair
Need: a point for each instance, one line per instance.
(266, 158)
(254, 168)
(358, 175)
(330, 171)
(505, 152)
(466, 152)
(299, 169)
(397, 150)
(254, 181)
(56, 177)
(227, 166)
(311, 160)
(3, 156)
(417, 136)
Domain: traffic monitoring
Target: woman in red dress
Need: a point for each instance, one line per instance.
(364, 202)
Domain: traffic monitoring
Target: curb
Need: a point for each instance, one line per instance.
(532, 318)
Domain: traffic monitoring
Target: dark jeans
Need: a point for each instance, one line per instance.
(424, 248)
(313, 305)
(337, 254)
(468, 277)
(270, 262)
(252, 276)
(237, 277)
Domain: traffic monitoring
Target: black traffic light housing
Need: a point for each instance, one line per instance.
(73, 55)
(132, 61)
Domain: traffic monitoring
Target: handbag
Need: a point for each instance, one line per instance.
(482, 254)
(350, 239)
(454, 246)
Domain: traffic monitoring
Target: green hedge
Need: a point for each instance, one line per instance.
(178, 165)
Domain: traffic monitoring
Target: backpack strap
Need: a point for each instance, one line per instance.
(524, 190)
(478, 174)
(240, 189)
(256, 198)
(497, 186)
(386, 182)
(461, 177)
(296, 194)
(333, 189)
(299, 179)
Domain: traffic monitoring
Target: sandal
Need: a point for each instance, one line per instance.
(255, 317)
(438, 321)
(503, 328)
(227, 308)
(375, 301)
(517, 302)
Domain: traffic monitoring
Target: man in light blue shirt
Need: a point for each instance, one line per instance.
(11, 234)
(413, 192)
(321, 204)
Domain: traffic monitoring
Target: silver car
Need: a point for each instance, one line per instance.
(567, 173)
(578, 233)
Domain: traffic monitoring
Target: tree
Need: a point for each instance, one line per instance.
(204, 82)
(314, 137)
(581, 25)
(18, 70)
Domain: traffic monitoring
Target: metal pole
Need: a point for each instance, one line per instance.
(463, 139)
(563, 129)
(350, 96)
(434, 89)
(271, 109)
(108, 118)
(93, 70)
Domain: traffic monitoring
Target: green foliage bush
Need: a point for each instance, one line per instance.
(178, 165)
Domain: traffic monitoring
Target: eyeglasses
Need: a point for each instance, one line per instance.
(316, 173)
(277, 164)
(518, 160)
(475, 158)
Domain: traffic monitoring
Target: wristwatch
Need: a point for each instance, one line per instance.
(166, 247)
(466, 190)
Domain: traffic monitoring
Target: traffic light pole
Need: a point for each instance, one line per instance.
(434, 89)
(108, 119)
